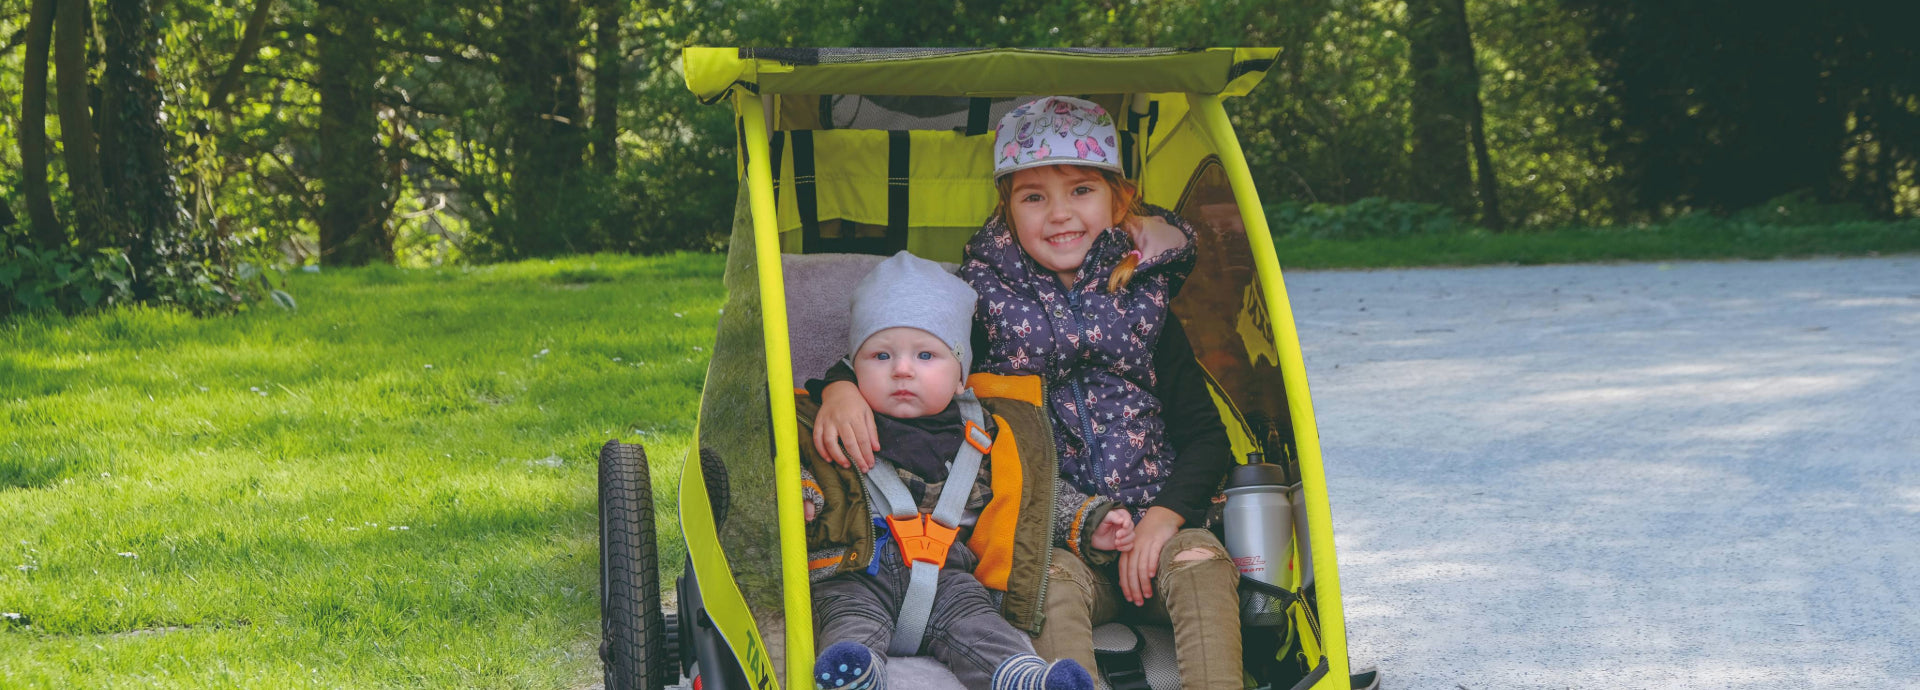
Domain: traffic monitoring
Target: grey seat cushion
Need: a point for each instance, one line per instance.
(921, 673)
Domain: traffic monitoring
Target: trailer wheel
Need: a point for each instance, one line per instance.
(633, 642)
(719, 497)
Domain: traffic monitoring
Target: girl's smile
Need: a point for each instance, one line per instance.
(1056, 211)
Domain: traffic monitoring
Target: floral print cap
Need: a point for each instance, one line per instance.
(1052, 131)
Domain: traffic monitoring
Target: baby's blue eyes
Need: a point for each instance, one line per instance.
(926, 355)
(883, 356)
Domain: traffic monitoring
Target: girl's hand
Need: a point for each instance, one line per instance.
(1153, 236)
(843, 431)
(1115, 532)
(1137, 567)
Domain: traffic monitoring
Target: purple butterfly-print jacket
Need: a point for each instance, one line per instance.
(1093, 349)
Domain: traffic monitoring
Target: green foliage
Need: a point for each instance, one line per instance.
(1595, 112)
(1540, 86)
(69, 281)
(1801, 208)
(1719, 104)
(1367, 218)
(61, 279)
(1757, 233)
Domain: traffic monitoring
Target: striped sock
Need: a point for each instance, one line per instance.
(846, 666)
(1021, 672)
(1067, 674)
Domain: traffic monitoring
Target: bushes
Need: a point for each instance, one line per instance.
(61, 279)
(68, 280)
(1368, 218)
(1801, 208)
(1377, 218)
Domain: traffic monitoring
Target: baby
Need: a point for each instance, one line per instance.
(910, 335)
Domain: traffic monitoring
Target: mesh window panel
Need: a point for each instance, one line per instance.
(1226, 315)
(1259, 609)
(829, 56)
(939, 113)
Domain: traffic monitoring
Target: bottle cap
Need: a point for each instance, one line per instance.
(1257, 474)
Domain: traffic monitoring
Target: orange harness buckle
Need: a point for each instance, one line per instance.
(978, 438)
(922, 539)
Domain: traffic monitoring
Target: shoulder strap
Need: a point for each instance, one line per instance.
(891, 497)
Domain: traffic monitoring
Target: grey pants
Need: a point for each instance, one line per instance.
(965, 631)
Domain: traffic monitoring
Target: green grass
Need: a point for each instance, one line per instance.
(303, 501)
(1705, 240)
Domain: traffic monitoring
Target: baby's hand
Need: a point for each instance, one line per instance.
(1153, 236)
(1115, 532)
(808, 507)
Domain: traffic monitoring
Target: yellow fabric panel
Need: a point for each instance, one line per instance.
(952, 179)
(711, 72)
(951, 182)
(1022, 388)
(1173, 118)
(941, 244)
(1176, 155)
(1236, 430)
(725, 607)
(993, 532)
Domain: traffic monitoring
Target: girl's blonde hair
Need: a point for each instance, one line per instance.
(1126, 207)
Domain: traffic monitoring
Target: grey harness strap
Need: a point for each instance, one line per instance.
(891, 497)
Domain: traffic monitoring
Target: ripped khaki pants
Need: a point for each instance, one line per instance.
(1196, 595)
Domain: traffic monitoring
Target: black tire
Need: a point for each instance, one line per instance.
(718, 496)
(633, 642)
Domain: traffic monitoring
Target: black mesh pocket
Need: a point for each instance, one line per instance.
(1263, 605)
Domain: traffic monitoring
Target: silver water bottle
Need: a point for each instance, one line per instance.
(1259, 526)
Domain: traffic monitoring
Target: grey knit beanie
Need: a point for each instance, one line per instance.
(906, 290)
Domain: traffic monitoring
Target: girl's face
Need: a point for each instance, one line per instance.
(1056, 212)
(905, 372)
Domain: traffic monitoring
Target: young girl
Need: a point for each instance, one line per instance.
(1074, 276)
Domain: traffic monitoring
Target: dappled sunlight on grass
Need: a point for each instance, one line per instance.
(393, 485)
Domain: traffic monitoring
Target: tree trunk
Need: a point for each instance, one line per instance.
(1489, 182)
(249, 45)
(93, 224)
(135, 168)
(42, 223)
(545, 214)
(1444, 92)
(606, 84)
(354, 208)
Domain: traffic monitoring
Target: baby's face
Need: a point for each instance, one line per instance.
(906, 372)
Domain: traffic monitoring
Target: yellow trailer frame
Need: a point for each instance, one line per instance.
(1185, 87)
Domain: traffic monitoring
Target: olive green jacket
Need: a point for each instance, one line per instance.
(1013, 537)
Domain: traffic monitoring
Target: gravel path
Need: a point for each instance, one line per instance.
(1672, 475)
